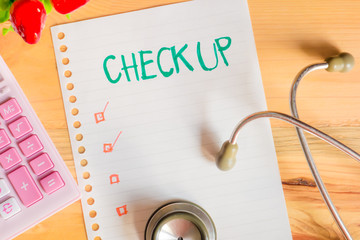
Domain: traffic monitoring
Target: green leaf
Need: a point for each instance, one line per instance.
(5, 5)
(68, 16)
(6, 30)
(47, 5)
(4, 16)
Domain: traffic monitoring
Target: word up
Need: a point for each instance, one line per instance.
(143, 60)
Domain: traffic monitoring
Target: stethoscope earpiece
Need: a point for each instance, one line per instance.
(226, 158)
(344, 62)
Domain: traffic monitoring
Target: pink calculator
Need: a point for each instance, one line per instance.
(34, 180)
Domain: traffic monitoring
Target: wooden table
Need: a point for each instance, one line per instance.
(289, 35)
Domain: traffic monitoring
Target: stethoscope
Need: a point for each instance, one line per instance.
(188, 221)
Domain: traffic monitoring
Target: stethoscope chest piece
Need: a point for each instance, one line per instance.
(180, 221)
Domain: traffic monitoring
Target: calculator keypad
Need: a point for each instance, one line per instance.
(20, 177)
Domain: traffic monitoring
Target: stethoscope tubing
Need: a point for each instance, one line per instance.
(307, 152)
(300, 127)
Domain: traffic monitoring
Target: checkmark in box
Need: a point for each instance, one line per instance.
(99, 117)
(108, 147)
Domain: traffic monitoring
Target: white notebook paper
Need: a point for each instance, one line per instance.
(150, 96)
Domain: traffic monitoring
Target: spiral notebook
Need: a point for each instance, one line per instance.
(149, 98)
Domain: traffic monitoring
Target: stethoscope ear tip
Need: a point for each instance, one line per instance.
(226, 158)
(343, 62)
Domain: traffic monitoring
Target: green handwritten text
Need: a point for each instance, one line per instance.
(187, 57)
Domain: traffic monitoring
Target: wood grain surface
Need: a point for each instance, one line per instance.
(289, 35)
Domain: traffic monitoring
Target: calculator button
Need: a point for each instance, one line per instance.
(9, 158)
(20, 127)
(4, 139)
(41, 164)
(25, 186)
(9, 208)
(9, 109)
(30, 146)
(4, 189)
(52, 182)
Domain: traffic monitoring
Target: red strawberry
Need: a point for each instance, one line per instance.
(67, 6)
(28, 19)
